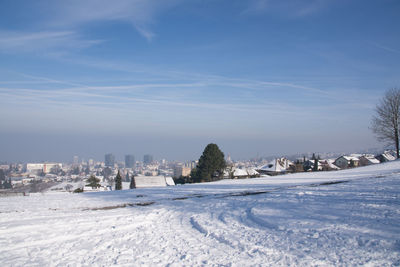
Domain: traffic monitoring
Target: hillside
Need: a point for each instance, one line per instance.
(327, 218)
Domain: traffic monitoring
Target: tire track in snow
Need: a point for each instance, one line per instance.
(209, 234)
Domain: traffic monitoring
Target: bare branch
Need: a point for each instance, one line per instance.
(385, 124)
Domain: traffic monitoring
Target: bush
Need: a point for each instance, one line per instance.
(78, 190)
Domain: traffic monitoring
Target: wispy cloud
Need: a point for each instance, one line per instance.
(244, 95)
(291, 8)
(386, 48)
(141, 14)
(45, 41)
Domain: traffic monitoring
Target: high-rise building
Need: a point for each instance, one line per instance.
(147, 159)
(129, 161)
(109, 160)
(91, 162)
(75, 160)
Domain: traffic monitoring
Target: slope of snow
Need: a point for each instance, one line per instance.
(340, 218)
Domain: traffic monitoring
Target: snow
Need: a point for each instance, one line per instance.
(169, 181)
(240, 172)
(337, 218)
(150, 181)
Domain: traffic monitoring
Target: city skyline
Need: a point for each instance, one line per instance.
(256, 77)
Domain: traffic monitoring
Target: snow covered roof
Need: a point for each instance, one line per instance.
(388, 156)
(169, 181)
(252, 172)
(348, 158)
(371, 159)
(240, 172)
(150, 181)
(332, 166)
(276, 165)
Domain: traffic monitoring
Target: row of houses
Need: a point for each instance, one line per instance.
(284, 165)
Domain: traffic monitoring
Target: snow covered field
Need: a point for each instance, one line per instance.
(340, 218)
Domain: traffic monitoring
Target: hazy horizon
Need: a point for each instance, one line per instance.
(256, 77)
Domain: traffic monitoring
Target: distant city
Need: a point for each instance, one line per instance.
(40, 176)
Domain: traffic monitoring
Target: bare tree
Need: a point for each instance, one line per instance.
(386, 122)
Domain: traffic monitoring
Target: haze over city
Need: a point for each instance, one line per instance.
(168, 77)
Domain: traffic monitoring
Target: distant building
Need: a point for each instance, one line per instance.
(75, 160)
(193, 164)
(91, 162)
(129, 161)
(37, 168)
(147, 159)
(366, 160)
(385, 157)
(345, 162)
(309, 164)
(328, 165)
(109, 160)
(276, 166)
(153, 181)
(181, 171)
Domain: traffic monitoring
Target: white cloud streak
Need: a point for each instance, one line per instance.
(44, 41)
(141, 14)
(290, 8)
(386, 48)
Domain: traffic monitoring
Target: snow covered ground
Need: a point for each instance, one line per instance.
(339, 218)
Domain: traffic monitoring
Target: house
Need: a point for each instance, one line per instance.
(253, 173)
(328, 165)
(385, 157)
(152, 181)
(366, 160)
(276, 166)
(345, 162)
(308, 165)
(240, 173)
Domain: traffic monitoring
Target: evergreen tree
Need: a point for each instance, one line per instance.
(42, 174)
(132, 185)
(93, 182)
(2, 179)
(118, 182)
(211, 165)
(7, 184)
(315, 168)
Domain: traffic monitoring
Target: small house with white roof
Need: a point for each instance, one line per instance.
(276, 166)
(345, 162)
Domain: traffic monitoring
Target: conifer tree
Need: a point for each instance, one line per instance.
(211, 165)
(132, 185)
(118, 182)
(7, 184)
(315, 168)
(2, 179)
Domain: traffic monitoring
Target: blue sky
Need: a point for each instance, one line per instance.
(257, 77)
